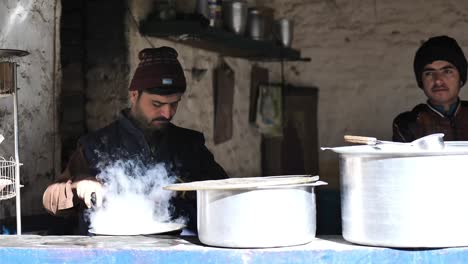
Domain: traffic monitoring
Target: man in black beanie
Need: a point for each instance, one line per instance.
(142, 135)
(440, 68)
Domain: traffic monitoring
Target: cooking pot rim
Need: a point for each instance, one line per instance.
(451, 148)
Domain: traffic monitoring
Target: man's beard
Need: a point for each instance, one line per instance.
(147, 124)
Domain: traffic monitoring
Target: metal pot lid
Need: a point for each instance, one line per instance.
(157, 228)
(12, 53)
(243, 183)
(451, 148)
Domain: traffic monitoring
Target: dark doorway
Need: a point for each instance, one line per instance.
(296, 152)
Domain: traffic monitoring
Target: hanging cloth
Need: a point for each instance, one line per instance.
(270, 110)
(223, 100)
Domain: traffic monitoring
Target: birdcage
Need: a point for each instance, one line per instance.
(7, 178)
(10, 169)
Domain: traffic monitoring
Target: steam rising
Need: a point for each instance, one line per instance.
(133, 199)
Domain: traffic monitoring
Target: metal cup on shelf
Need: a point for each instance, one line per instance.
(235, 15)
(256, 24)
(284, 30)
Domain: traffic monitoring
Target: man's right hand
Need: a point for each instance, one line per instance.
(85, 188)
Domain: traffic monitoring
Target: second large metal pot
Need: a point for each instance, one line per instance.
(255, 212)
(405, 198)
(254, 218)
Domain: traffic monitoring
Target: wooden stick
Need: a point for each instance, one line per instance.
(360, 139)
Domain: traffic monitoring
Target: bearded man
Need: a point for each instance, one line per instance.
(144, 134)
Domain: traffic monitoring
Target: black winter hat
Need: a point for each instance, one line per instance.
(440, 48)
(159, 72)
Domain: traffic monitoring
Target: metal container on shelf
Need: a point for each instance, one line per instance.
(202, 8)
(269, 20)
(215, 13)
(235, 16)
(256, 24)
(284, 31)
(165, 9)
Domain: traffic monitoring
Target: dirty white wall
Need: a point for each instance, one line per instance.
(361, 53)
(240, 156)
(30, 25)
(361, 59)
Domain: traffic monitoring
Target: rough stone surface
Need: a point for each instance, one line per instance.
(30, 25)
(107, 66)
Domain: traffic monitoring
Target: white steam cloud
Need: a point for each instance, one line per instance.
(133, 200)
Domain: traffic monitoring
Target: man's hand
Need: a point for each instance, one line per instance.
(85, 188)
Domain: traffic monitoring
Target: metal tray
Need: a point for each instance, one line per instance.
(158, 228)
(12, 53)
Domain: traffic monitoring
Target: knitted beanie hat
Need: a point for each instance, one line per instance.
(159, 72)
(440, 48)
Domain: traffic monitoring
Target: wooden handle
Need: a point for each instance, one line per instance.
(360, 139)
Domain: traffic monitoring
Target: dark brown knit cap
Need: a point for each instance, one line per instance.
(159, 72)
(440, 48)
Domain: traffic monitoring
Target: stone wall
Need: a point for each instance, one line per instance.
(72, 103)
(31, 26)
(240, 156)
(362, 61)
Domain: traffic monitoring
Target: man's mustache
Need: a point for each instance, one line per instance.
(437, 87)
(161, 119)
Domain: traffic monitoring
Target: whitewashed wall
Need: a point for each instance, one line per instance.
(361, 51)
(240, 156)
(30, 25)
(362, 60)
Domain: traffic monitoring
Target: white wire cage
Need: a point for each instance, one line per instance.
(7, 178)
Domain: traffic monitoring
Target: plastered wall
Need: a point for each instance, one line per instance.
(30, 25)
(240, 156)
(362, 61)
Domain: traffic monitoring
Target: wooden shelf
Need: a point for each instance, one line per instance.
(197, 33)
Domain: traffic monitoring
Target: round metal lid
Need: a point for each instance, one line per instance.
(243, 183)
(12, 53)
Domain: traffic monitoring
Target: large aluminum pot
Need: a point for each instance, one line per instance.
(255, 212)
(254, 218)
(406, 197)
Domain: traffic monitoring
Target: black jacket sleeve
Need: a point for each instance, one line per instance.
(209, 168)
(403, 127)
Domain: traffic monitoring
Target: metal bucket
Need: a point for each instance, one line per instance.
(405, 198)
(259, 217)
